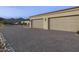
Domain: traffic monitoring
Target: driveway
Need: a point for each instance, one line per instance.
(38, 40)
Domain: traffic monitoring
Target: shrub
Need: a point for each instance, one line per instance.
(77, 32)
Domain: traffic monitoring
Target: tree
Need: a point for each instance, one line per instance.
(1, 19)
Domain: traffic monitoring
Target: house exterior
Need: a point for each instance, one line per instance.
(63, 20)
(24, 22)
(27, 23)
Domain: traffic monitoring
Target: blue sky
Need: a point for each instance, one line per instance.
(26, 11)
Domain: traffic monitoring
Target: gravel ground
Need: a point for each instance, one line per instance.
(38, 40)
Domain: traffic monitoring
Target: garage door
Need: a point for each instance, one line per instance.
(70, 23)
(38, 23)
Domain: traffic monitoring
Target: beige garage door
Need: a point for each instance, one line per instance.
(38, 23)
(65, 23)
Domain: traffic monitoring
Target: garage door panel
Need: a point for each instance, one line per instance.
(65, 23)
(37, 23)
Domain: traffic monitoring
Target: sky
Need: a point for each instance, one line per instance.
(27, 11)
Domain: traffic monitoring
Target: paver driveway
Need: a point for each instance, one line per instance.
(37, 40)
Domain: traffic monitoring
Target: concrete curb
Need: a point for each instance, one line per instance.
(7, 48)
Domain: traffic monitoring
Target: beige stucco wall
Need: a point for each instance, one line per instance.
(64, 14)
(71, 23)
(45, 23)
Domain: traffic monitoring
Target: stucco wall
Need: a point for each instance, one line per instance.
(45, 23)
